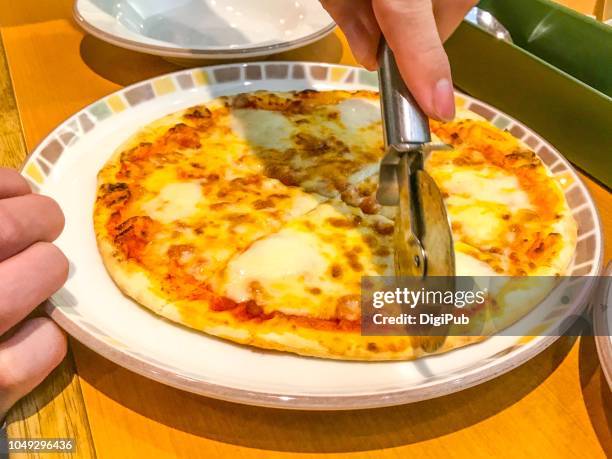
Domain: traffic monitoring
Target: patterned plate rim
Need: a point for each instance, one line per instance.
(42, 159)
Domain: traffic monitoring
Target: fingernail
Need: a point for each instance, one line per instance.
(444, 100)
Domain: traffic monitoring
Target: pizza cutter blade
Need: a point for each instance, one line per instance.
(423, 239)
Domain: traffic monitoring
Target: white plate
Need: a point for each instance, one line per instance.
(92, 309)
(198, 29)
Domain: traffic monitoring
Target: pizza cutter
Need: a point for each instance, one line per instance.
(422, 238)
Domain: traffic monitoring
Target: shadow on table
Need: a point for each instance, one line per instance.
(119, 65)
(322, 432)
(125, 67)
(596, 393)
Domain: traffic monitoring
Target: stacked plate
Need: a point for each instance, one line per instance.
(205, 29)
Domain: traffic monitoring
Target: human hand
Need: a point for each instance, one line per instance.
(31, 270)
(415, 31)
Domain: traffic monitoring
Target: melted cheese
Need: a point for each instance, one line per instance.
(483, 183)
(319, 145)
(263, 128)
(466, 265)
(314, 265)
(175, 201)
(359, 113)
(288, 254)
(222, 212)
(245, 212)
(480, 223)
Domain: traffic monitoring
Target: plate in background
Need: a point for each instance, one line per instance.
(602, 325)
(205, 29)
(92, 309)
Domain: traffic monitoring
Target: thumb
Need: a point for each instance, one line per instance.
(27, 357)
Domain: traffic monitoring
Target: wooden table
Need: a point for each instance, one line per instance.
(557, 404)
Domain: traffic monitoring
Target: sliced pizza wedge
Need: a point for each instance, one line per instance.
(313, 266)
(323, 142)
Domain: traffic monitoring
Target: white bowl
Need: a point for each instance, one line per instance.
(205, 29)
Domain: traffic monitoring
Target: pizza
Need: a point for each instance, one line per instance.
(253, 218)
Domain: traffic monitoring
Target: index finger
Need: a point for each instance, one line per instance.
(27, 219)
(12, 184)
(410, 30)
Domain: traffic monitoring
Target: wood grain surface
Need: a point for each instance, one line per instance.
(556, 405)
(12, 147)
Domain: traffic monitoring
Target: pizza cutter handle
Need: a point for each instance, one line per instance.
(404, 123)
